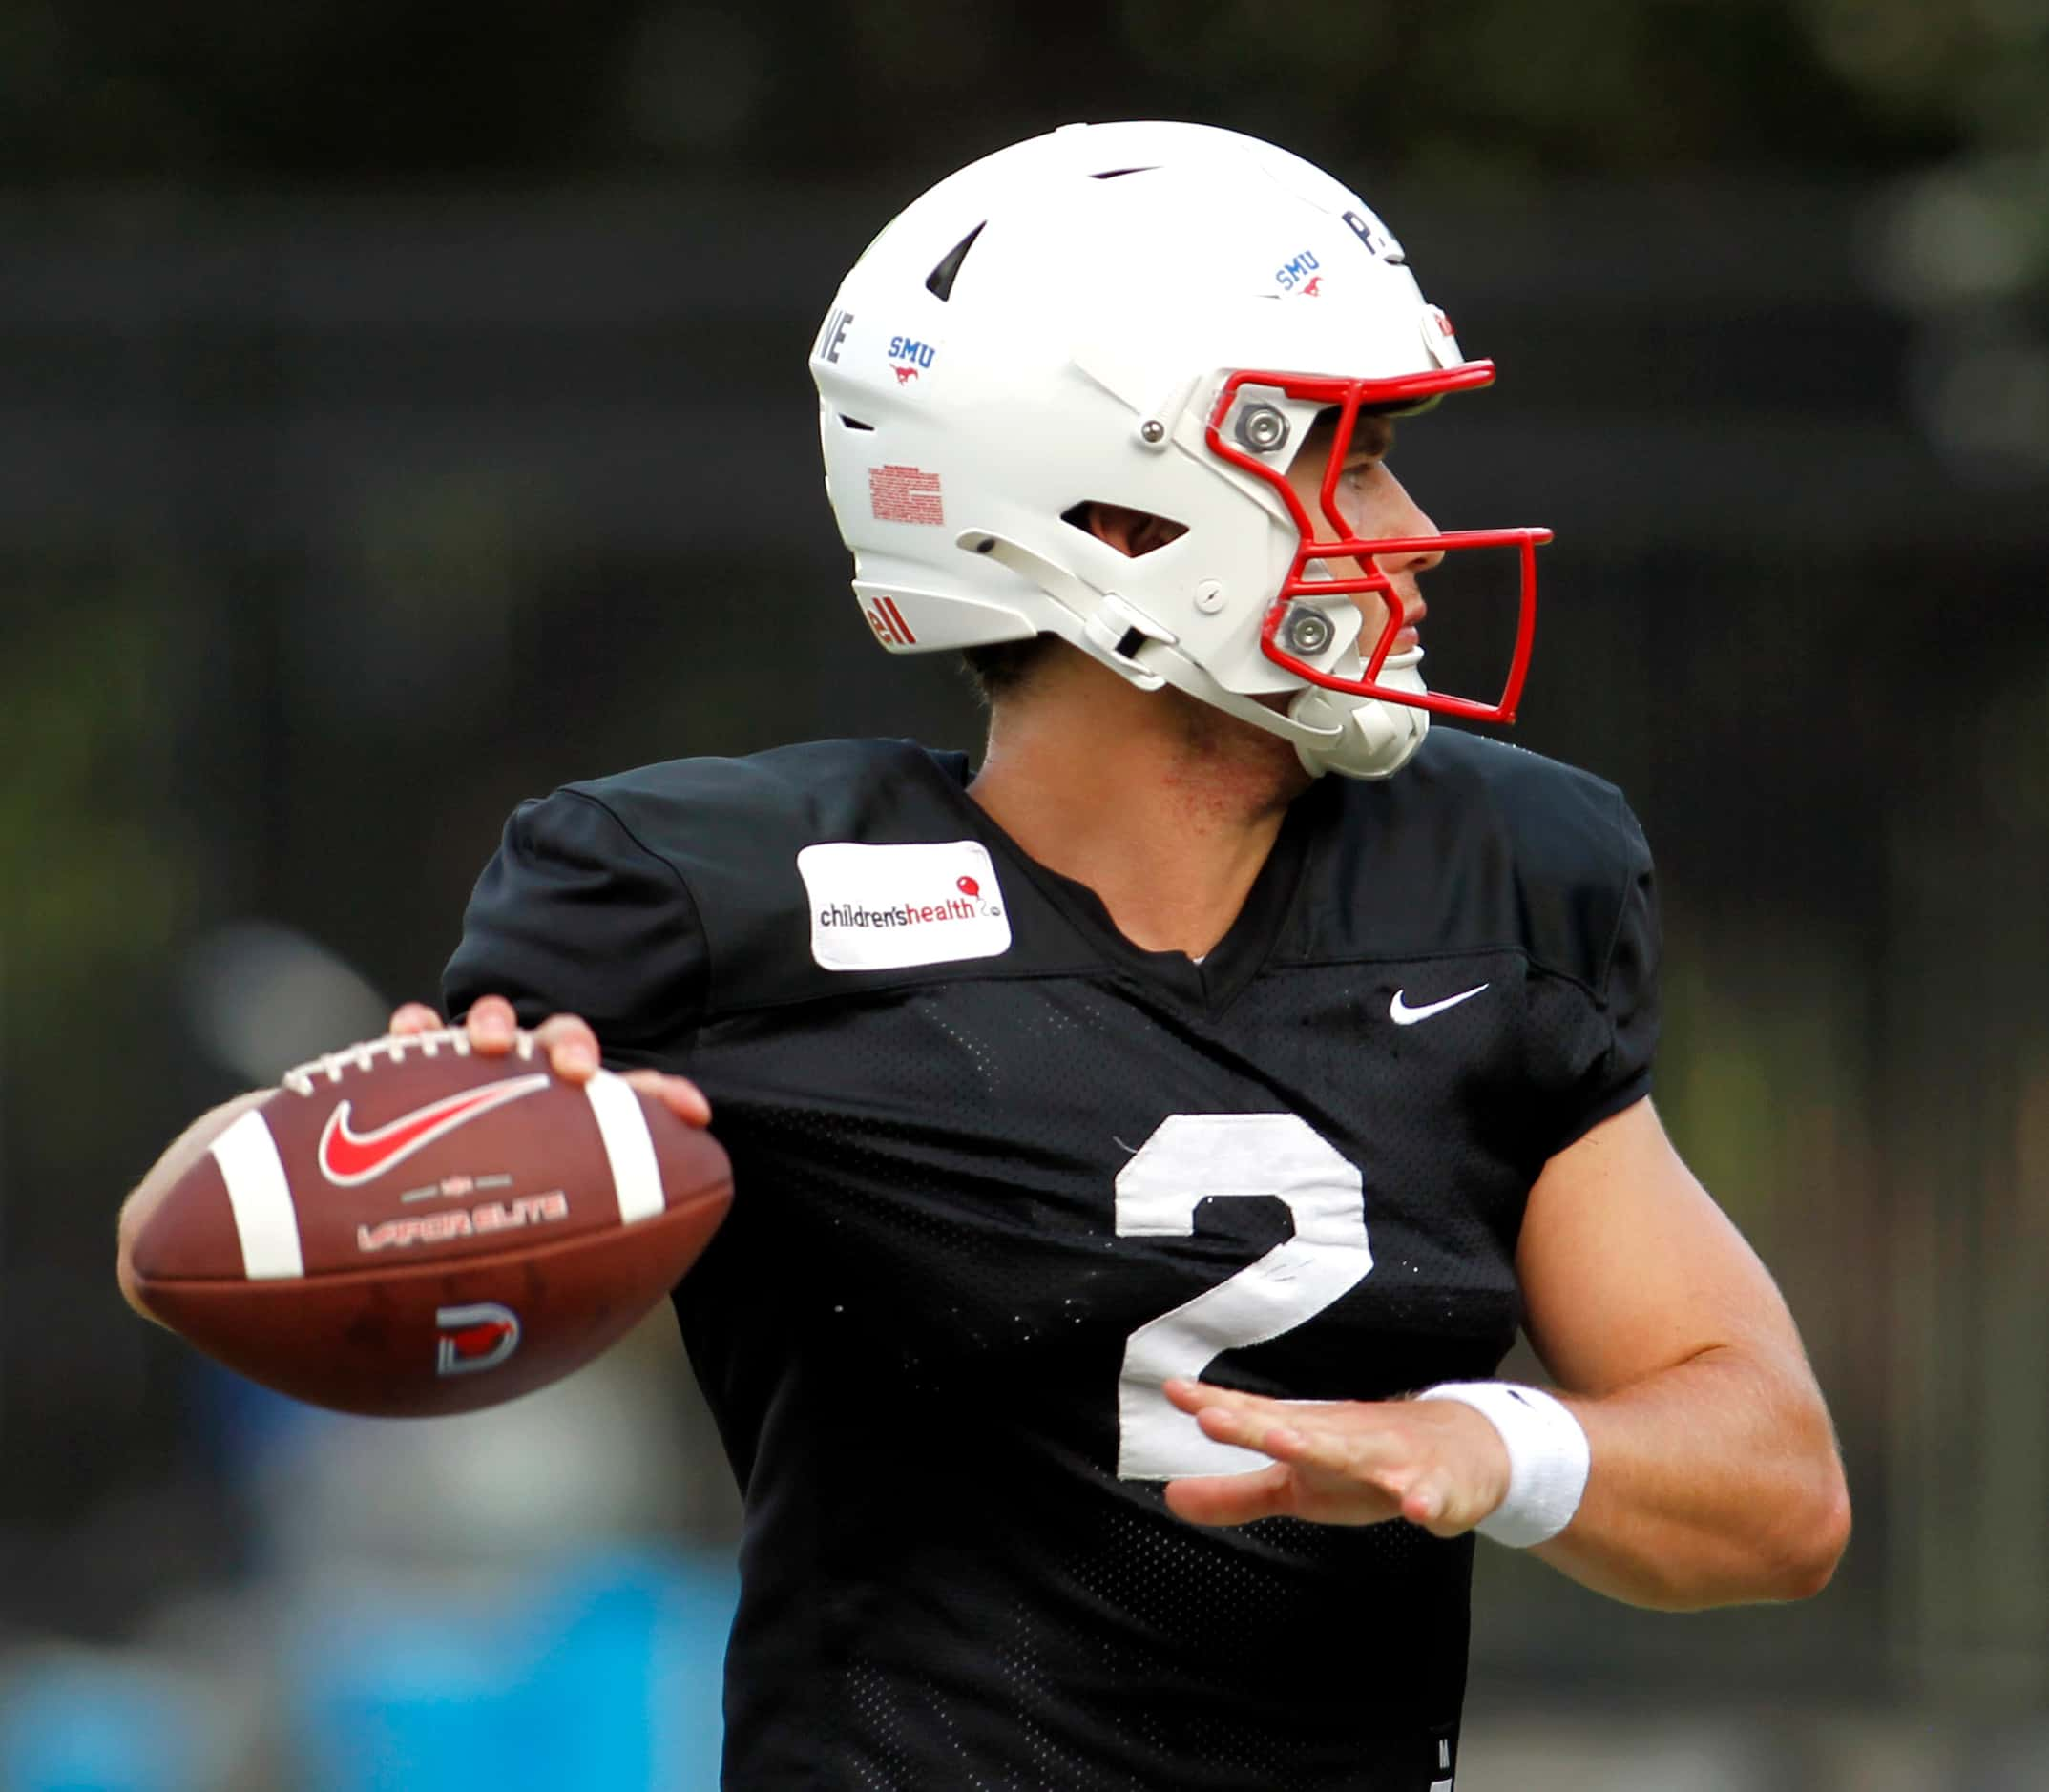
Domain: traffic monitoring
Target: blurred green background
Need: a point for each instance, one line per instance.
(404, 410)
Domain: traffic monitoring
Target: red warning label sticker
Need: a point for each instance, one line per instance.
(904, 494)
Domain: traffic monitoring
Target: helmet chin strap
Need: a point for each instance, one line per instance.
(1375, 739)
(1356, 736)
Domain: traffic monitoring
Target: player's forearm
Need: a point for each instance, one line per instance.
(1715, 1482)
(182, 1153)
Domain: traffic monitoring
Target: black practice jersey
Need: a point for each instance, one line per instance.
(999, 1171)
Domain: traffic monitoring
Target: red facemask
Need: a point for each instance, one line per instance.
(1351, 397)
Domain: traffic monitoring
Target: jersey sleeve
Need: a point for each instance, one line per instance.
(1617, 1071)
(574, 915)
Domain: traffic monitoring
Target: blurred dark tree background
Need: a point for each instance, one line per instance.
(405, 409)
(1487, 90)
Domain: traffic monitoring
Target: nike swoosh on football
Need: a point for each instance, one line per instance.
(1403, 1015)
(347, 1157)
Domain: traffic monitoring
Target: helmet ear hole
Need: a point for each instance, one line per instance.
(1132, 532)
(939, 282)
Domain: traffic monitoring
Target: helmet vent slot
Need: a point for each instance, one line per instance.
(855, 423)
(1147, 533)
(939, 282)
(1111, 173)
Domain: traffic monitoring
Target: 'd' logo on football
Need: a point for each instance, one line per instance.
(474, 1338)
(347, 1157)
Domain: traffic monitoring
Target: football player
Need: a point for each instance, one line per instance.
(1149, 1140)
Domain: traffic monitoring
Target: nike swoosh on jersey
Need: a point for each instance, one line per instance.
(347, 1157)
(1403, 1015)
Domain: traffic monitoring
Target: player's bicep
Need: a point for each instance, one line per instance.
(1628, 1266)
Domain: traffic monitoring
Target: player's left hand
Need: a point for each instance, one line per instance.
(1436, 1463)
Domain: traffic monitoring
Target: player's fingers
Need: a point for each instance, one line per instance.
(1443, 1502)
(571, 1047)
(681, 1097)
(1251, 1430)
(491, 1025)
(1427, 1501)
(1192, 1396)
(1341, 1436)
(1354, 1446)
(411, 1017)
(1449, 1501)
(1231, 1499)
(1342, 1469)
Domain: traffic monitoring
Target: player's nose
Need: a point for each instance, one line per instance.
(1410, 522)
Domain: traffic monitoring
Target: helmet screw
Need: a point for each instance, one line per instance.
(1209, 597)
(1153, 431)
(1262, 428)
(1306, 632)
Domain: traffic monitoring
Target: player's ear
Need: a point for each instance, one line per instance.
(1129, 532)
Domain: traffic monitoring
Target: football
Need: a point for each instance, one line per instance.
(407, 1229)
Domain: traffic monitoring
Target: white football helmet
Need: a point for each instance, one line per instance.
(1152, 315)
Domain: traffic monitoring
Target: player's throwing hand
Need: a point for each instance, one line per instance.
(1435, 1463)
(571, 1046)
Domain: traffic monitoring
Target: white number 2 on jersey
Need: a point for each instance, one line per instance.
(1194, 1157)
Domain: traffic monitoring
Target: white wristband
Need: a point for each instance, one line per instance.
(1547, 1458)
